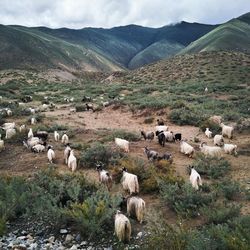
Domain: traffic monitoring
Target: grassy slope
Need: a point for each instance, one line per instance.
(233, 35)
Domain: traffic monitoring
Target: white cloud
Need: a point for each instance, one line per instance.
(109, 13)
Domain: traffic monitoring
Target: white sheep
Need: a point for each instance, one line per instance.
(66, 153)
(33, 121)
(169, 136)
(206, 90)
(136, 206)
(195, 179)
(104, 177)
(160, 128)
(218, 140)
(230, 149)
(10, 132)
(123, 144)
(30, 133)
(51, 154)
(72, 163)
(129, 182)
(72, 110)
(8, 125)
(213, 151)
(22, 128)
(38, 148)
(227, 130)
(32, 110)
(186, 148)
(1, 143)
(32, 142)
(65, 139)
(122, 227)
(56, 136)
(208, 133)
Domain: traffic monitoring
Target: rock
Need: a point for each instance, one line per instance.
(84, 243)
(139, 235)
(33, 246)
(63, 231)
(20, 247)
(68, 238)
(78, 237)
(74, 247)
(10, 245)
(21, 237)
(30, 237)
(51, 239)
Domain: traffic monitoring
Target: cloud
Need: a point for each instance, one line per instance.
(109, 13)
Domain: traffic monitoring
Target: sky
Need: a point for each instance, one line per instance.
(78, 14)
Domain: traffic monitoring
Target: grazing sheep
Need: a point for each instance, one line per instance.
(186, 148)
(105, 104)
(151, 154)
(195, 179)
(72, 110)
(160, 128)
(160, 122)
(129, 182)
(86, 99)
(30, 133)
(10, 132)
(210, 150)
(38, 148)
(8, 125)
(56, 136)
(227, 130)
(136, 206)
(65, 139)
(72, 163)
(33, 121)
(1, 143)
(206, 90)
(66, 153)
(169, 136)
(161, 138)
(208, 133)
(218, 140)
(51, 154)
(32, 142)
(177, 137)
(166, 156)
(123, 144)
(32, 111)
(230, 149)
(122, 227)
(89, 107)
(22, 128)
(147, 135)
(104, 176)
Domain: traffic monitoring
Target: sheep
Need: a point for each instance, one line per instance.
(30, 133)
(161, 138)
(216, 119)
(72, 163)
(147, 135)
(210, 150)
(51, 154)
(195, 179)
(89, 107)
(33, 121)
(26, 98)
(218, 140)
(32, 111)
(136, 206)
(65, 139)
(208, 133)
(42, 135)
(86, 99)
(72, 110)
(206, 90)
(230, 149)
(227, 130)
(169, 136)
(105, 104)
(10, 132)
(166, 156)
(66, 153)
(122, 227)
(9, 112)
(151, 154)
(1, 143)
(56, 136)
(129, 182)
(22, 128)
(177, 137)
(160, 128)
(32, 142)
(123, 144)
(38, 148)
(186, 148)
(104, 176)
(160, 122)
(8, 125)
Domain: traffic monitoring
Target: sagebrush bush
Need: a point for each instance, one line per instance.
(149, 120)
(214, 127)
(230, 189)
(211, 167)
(123, 134)
(80, 108)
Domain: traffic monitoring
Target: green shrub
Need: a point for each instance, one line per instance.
(94, 215)
(214, 127)
(50, 129)
(183, 199)
(2, 226)
(211, 167)
(149, 120)
(230, 189)
(80, 108)
(99, 152)
(120, 133)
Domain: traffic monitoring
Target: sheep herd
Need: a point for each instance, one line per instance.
(37, 143)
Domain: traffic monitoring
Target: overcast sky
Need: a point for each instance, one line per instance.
(109, 13)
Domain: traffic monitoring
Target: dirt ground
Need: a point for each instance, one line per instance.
(17, 160)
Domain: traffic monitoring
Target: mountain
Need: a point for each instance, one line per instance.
(233, 35)
(93, 49)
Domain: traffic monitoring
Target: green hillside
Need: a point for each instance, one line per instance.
(233, 35)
